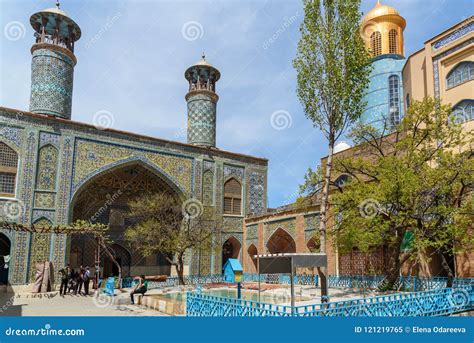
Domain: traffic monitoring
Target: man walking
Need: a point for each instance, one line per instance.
(87, 278)
(80, 279)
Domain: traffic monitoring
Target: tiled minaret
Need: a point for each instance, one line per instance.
(52, 66)
(202, 101)
(382, 31)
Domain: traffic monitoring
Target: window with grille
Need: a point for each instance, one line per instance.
(393, 42)
(232, 197)
(376, 43)
(394, 100)
(463, 72)
(464, 111)
(8, 170)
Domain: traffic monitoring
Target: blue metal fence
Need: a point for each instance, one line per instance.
(174, 281)
(427, 303)
(200, 305)
(283, 279)
(404, 283)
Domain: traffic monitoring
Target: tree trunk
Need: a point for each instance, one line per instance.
(180, 269)
(394, 268)
(109, 254)
(448, 270)
(394, 262)
(102, 244)
(322, 271)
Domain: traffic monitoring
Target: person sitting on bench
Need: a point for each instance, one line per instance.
(140, 287)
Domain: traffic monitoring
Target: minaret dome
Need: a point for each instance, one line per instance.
(53, 61)
(382, 30)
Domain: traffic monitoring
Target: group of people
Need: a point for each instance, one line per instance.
(73, 280)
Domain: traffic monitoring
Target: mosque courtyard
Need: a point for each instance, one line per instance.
(52, 304)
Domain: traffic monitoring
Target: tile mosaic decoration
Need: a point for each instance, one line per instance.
(289, 225)
(462, 31)
(201, 120)
(51, 83)
(256, 196)
(44, 200)
(233, 171)
(11, 134)
(108, 154)
(47, 173)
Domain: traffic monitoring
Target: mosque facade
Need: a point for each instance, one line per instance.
(54, 170)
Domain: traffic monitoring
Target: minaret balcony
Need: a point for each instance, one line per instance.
(55, 40)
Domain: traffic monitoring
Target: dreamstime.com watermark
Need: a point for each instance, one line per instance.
(106, 27)
(192, 30)
(287, 22)
(103, 300)
(46, 331)
(192, 208)
(110, 200)
(103, 120)
(281, 120)
(14, 31)
(7, 305)
(12, 209)
(460, 297)
(369, 208)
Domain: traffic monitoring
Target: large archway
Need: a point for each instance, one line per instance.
(230, 249)
(5, 247)
(104, 199)
(281, 242)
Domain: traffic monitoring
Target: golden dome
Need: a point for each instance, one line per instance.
(383, 13)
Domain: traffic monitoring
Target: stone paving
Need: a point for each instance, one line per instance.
(21, 304)
(52, 304)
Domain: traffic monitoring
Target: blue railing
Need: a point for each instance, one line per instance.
(347, 281)
(200, 305)
(174, 281)
(283, 279)
(428, 303)
(403, 283)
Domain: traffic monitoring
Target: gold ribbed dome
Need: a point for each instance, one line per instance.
(383, 12)
(382, 30)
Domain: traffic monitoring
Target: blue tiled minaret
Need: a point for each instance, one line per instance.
(52, 66)
(202, 100)
(382, 30)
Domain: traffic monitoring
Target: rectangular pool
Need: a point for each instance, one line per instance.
(232, 293)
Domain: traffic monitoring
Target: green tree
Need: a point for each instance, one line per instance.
(333, 69)
(416, 182)
(167, 225)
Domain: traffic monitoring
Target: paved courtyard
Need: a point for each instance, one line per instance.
(68, 305)
(52, 304)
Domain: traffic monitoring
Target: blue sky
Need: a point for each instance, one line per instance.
(133, 54)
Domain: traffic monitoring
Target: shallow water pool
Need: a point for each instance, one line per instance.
(232, 293)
